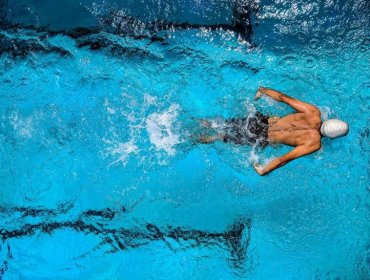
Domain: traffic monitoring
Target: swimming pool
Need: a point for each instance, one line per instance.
(100, 178)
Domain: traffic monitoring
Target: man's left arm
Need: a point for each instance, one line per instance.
(298, 105)
(282, 160)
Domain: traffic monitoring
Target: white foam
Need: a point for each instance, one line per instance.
(109, 108)
(123, 150)
(150, 100)
(253, 157)
(217, 123)
(22, 125)
(325, 112)
(270, 101)
(319, 154)
(160, 129)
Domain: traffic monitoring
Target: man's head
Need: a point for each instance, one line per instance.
(334, 128)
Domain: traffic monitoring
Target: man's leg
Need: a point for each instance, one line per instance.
(208, 139)
(208, 131)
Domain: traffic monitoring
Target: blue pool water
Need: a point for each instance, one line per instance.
(100, 177)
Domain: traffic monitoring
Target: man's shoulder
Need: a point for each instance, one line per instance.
(314, 116)
(314, 142)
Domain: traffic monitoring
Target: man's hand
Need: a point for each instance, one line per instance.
(259, 168)
(259, 93)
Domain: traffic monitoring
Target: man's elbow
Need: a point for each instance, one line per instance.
(283, 98)
(312, 147)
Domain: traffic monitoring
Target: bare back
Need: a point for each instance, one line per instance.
(301, 129)
(295, 129)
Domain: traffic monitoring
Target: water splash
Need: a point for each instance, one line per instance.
(162, 131)
(122, 151)
(23, 126)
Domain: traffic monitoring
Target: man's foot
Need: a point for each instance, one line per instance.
(206, 139)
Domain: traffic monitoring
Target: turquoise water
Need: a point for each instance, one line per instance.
(100, 177)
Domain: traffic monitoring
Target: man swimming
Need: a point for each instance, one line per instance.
(302, 130)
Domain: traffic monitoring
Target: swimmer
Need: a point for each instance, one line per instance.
(302, 130)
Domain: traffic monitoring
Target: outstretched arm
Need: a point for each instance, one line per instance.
(282, 160)
(298, 105)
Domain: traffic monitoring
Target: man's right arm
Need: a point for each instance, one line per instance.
(298, 105)
(282, 160)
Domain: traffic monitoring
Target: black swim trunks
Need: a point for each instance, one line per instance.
(252, 130)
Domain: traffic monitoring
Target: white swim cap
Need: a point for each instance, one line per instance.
(334, 128)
